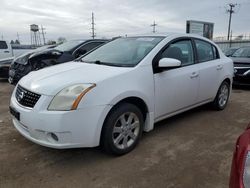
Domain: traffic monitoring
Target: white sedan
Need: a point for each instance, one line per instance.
(114, 93)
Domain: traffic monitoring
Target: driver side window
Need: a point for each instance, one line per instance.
(181, 50)
(87, 47)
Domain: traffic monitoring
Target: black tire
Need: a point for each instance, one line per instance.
(217, 104)
(113, 122)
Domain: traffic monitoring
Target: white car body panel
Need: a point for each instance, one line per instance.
(7, 52)
(165, 94)
(180, 90)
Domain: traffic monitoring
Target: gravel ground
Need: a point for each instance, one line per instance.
(190, 150)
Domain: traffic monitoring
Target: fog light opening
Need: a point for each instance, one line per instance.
(52, 137)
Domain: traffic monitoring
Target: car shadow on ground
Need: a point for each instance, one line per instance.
(3, 80)
(245, 87)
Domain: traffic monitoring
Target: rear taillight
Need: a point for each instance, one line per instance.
(246, 173)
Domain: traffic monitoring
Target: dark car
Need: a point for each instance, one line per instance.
(22, 58)
(4, 67)
(241, 59)
(230, 51)
(240, 170)
(39, 59)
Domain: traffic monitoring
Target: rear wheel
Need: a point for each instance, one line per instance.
(221, 99)
(122, 129)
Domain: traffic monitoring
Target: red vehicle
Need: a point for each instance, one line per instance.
(240, 170)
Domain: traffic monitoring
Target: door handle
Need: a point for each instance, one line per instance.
(194, 75)
(7, 51)
(219, 67)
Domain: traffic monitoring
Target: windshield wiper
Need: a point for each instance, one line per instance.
(98, 62)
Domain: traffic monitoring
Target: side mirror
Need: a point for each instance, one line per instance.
(169, 63)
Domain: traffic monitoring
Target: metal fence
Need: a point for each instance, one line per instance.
(235, 41)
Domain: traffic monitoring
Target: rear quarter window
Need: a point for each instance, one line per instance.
(3, 45)
(216, 53)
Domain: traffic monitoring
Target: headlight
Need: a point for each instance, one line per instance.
(69, 97)
(246, 175)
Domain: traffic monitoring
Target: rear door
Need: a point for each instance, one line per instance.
(210, 69)
(176, 89)
(5, 50)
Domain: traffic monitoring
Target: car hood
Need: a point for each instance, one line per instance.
(46, 52)
(51, 80)
(240, 60)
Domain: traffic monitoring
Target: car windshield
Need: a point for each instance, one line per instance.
(69, 45)
(242, 52)
(126, 52)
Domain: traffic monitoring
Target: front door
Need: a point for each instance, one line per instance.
(177, 88)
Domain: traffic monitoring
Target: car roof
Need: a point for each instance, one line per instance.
(166, 35)
(87, 40)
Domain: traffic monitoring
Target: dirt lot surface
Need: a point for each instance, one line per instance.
(190, 150)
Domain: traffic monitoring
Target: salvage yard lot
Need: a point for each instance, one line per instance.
(193, 149)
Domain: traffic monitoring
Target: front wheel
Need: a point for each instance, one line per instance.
(222, 97)
(122, 129)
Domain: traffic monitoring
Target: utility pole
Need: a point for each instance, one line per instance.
(2, 37)
(93, 34)
(230, 11)
(18, 36)
(153, 25)
(43, 34)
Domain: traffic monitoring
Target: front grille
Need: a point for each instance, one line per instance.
(26, 97)
(237, 64)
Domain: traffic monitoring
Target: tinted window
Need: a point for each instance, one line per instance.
(3, 45)
(181, 50)
(90, 46)
(205, 51)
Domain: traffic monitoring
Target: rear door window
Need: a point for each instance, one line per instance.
(205, 51)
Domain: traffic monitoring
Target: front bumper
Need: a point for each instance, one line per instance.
(73, 129)
(241, 76)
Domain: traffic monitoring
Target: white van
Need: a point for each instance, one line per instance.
(5, 50)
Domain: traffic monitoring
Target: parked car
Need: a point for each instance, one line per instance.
(241, 59)
(240, 170)
(230, 51)
(19, 64)
(117, 91)
(5, 50)
(4, 67)
(41, 58)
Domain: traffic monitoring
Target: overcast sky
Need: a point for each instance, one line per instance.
(71, 19)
